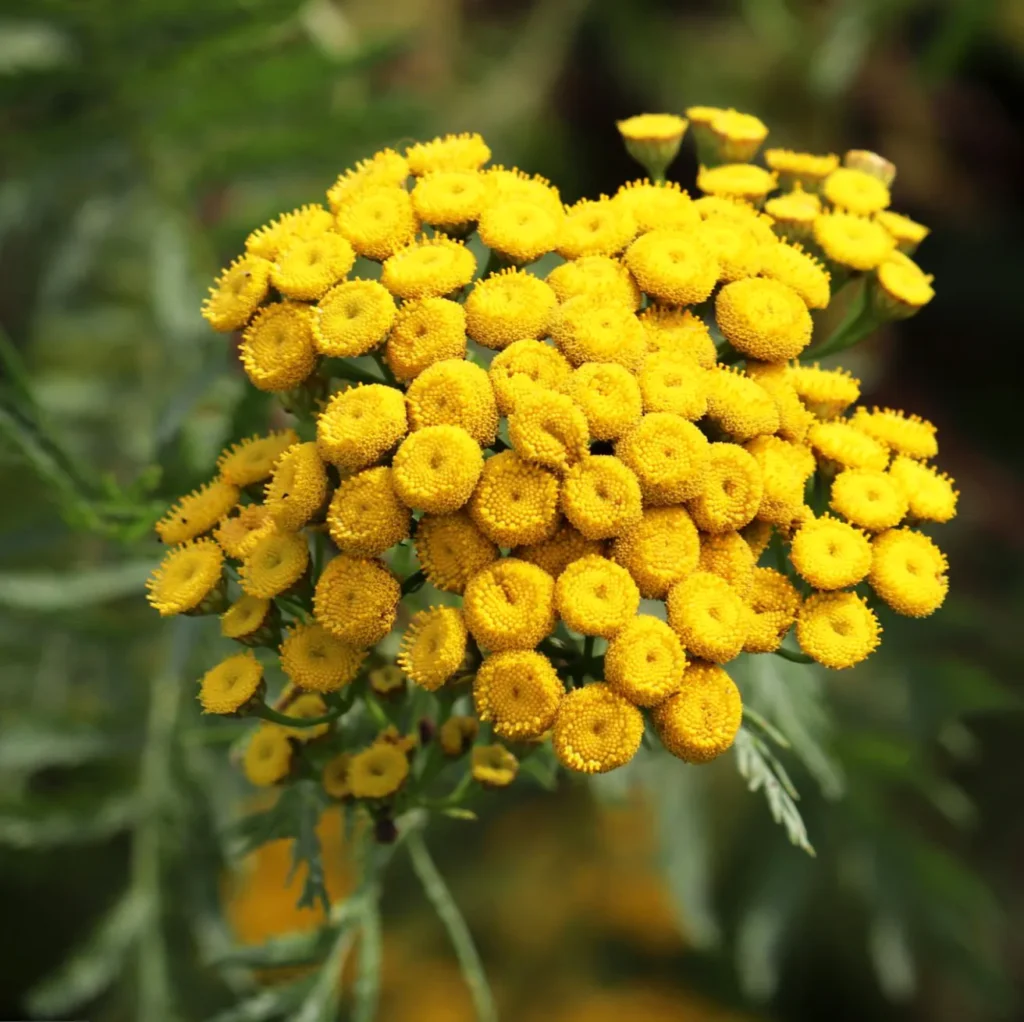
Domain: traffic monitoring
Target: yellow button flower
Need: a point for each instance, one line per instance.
(450, 199)
(298, 488)
(509, 306)
(238, 292)
(909, 572)
(662, 548)
(315, 660)
(731, 489)
(737, 210)
(674, 383)
(511, 185)
(728, 555)
(653, 206)
(186, 576)
(253, 460)
(907, 233)
(451, 550)
(360, 425)
(773, 602)
(356, 600)
(378, 221)
(268, 756)
(387, 680)
(794, 418)
(353, 318)
(668, 455)
(795, 212)
(588, 330)
(901, 433)
(645, 661)
(378, 772)
(609, 397)
(467, 151)
(596, 730)
(595, 277)
(520, 230)
(700, 721)
(428, 268)
(436, 469)
(830, 554)
(809, 169)
(764, 319)
(493, 766)
(653, 140)
(510, 605)
(433, 646)
(601, 497)
(736, 180)
(837, 629)
(306, 268)
(519, 692)
(931, 494)
(709, 616)
(680, 332)
(554, 555)
(846, 446)
(869, 499)
(739, 136)
(673, 266)
(454, 393)
(334, 776)
(385, 168)
(274, 564)
(735, 244)
(457, 735)
(595, 227)
(792, 266)
(365, 516)
(739, 405)
(902, 288)
(596, 596)
(198, 512)
(549, 429)
(524, 366)
(757, 536)
(246, 618)
(515, 502)
(238, 534)
(852, 241)
(278, 351)
(305, 223)
(785, 468)
(424, 332)
(855, 191)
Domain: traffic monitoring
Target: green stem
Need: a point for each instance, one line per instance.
(455, 798)
(793, 656)
(587, 660)
(494, 264)
(458, 932)
(413, 582)
(266, 713)
(367, 986)
(385, 369)
(356, 375)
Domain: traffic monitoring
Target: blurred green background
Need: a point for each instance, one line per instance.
(141, 142)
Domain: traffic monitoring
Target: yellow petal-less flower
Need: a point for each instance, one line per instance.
(709, 616)
(794, 213)
(668, 455)
(385, 168)
(549, 429)
(433, 646)
(356, 600)
(837, 629)
(450, 199)
(674, 383)
(510, 605)
(662, 548)
(869, 499)
(387, 680)
(515, 501)
(785, 468)
(931, 494)
(436, 469)
(275, 564)
(278, 351)
(554, 555)
(317, 661)
(307, 222)
(773, 602)
(736, 246)
(792, 266)
(334, 777)
(658, 205)
(519, 691)
(298, 488)
(902, 287)
(378, 772)
(186, 576)
(451, 550)
(601, 497)
(268, 756)
(700, 721)
(595, 277)
(454, 393)
(764, 319)
(457, 735)
(807, 169)
(757, 535)
(736, 180)
(731, 489)
(360, 425)
(680, 332)
(826, 392)
(596, 730)
(377, 221)
(365, 517)
(587, 330)
(794, 418)
(353, 318)
(306, 269)
(509, 306)
(234, 682)
(909, 572)
(428, 268)
(238, 534)
(596, 596)
(855, 191)
(467, 151)
(238, 293)
(830, 554)
(521, 230)
(901, 433)
(852, 241)
(846, 446)
(197, 512)
(595, 227)
(524, 366)
(645, 661)
(673, 266)
(728, 555)
(511, 185)
(245, 618)
(609, 397)
(253, 460)
(653, 127)
(739, 136)
(424, 332)
(493, 766)
(739, 405)
(907, 233)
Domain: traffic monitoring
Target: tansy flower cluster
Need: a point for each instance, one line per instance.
(594, 433)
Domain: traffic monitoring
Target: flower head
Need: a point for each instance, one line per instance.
(680, 332)
(509, 605)
(609, 398)
(303, 224)
(596, 596)
(930, 494)
(387, 680)
(587, 330)
(674, 383)
(907, 233)
(515, 501)
(736, 244)
(186, 576)
(846, 446)
(595, 227)
(353, 318)
(645, 661)
(794, 418)
(511, 185)
(277, 350)
(253, 460)
(525, 366)
(554, 555)
(837, 629)
(852, 241)
(728, 555)
(709, 616)
(795, 212)
(791, 266)
(454, 393)
(519, 691)
(306, 269)
(909, 572)
(826, 392)
(521, 229)
(902, 287)
(365, 516)
(268, 756)
(668, 455)
(738, 135)
(274, 564)
(493, 766)
(451, 550)
(773, 602)
(653, 140)
(855, 191)
(424, 332)
(869, 499)
(356, 600)
(428, 268)
(740, 405)
(596, 730)
(549, 429)
(246, 618)
(436, 469)
(457, 735)
(785, 468)
(385, 168)
(378, 220)
(238, 534)
(676, 267)
(601, 497)
(360, 425)
(807, 169)
(737, 180)
(450, 199)
(508, 306)
(764, 319)
(901, 433)
(238, 293)
(433, 646)
(298, 488)
(595, 276)
(198, 512)
(334, 777)
(378, 771)
(830, 554)
(662, 548)
(234, 682)
(731, 489)
(318, 661)
(700, 721)
(663, 204)
(449, 152)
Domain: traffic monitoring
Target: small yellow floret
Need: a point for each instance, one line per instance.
(519, 691)
(847, 446)
(268, 756)
(731, 490)
(785, 468)
(609, 397)
(360, 425)
(298, 488)
(830, 554)
(652, 128)
(680, 332)
(454, 393)
(596, 596)
(521, 230)
(554, 555)
(909, 572)
(663, 204)
(278, 350)
(826, 392)
(238, 534)
(253, 460)
(764, 319)
(795, 212)
(673, 266)
(378, 772)
(645, 661)
(433, 646)
(197, 512)
(662, 548)
(738, 135)
(510, 605)
(837, 629)
(867, 498)
(808, 168)
(740, 405)
(903, 287)
(315, 660)
(378, 221)
(451, 550)
(356, 600)
(736, 180)
(234, 682)
(306, 269)
(709, 616)
(735, 244)
(450, 199)
(855, 191)
(595, 277)
(515, 501)
(353, 318)
(588, 330)
(238, 293)
(728, 555)
(595, 227)
(670, 382)
(852, 241)
(907, 233)
(457, 735)
(524, 366)
(449, 152)
(668, 455)
(305, 223)
(931, 494)
(794, 419)
(493, 766)
(773, 602)
(509, 306)
(700, 721)
(596, 730)
(792, 266)
(185, 577)
(274, 564)
(429, 268)
(365, 516)
(424, 332)
(246, 618)
(549, 429)
(334, 776)
(901, 433)
(436, 469)
(601, 497)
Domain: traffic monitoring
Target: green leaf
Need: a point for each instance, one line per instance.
(63, 827)
(267, 1004)
(292, 949)
(47, 592)
(95, 965)
(367, 986)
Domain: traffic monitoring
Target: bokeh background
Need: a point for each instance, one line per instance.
(141, 142)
